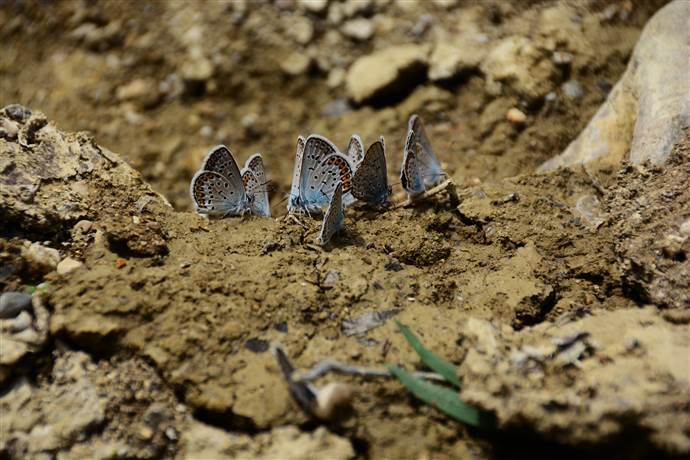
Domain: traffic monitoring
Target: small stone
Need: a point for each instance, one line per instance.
(296, 64)
(358, 29)
(171, 434)
(301, 30)
(8, 129)
(572, 89)
(516, 116)
(13, 303)
(142, 91)
(336, 77)
(449, 59)
(119, 262)
(145, 433)
(357, 7)
(21, 322)
(197, 69)
(388, 72)
(562, 58)
(685, 228)
(331, 279)
(68, 265)
(43, 256)
(447, 4)
(314, 6)
(83, 226)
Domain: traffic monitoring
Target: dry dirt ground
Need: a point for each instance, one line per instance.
(155, 345)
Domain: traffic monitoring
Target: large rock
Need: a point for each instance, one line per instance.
(615, 376)
(388, 73)
(648, 111)
(61, 181)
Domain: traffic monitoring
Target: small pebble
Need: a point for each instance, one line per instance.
(119, 262)
(68, 265)
(572, 89)
(83, 226)
(12, 303)
(516, 116)
(296, 64)
(314, 6)
(171, 434)
(685, 228)
(21, 322)
(358, 29)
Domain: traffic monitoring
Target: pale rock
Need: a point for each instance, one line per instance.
(43, 256)
(647, 111)
(453, 56)
(300, 29)
(197, 68)
(296, 64)
(386, 72)
(353, 8)
(314, 6)
(358, 29)
(685, 228)
(336, 77)
(447, 4)
(572, 89)
(516, 116)
(68, 265)
(521, 66)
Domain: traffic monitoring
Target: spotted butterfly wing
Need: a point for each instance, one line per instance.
(215, 195)
(334, 218)
(217, 189)
(255, 186)
(355, 149)
(429, 166)
(323, 168)
(370, 182)
(411, 174)
(294, 203)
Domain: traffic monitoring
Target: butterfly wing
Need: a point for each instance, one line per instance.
(322, 169)
(215, 195)
(255, 186)
(220, 160)
(410, 173)
(355, 149)
(294, 200)
(334, 219)
(370, 181)
(429, 166)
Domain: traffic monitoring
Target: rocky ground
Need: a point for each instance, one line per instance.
(563, 296)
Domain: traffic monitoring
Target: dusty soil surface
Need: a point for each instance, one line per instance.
(156, 343)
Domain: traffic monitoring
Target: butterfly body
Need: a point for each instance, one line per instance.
(219, 189)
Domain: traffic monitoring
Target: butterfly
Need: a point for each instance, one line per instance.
(219, 189)
(355, 149)
(370, 182)
(334, 218)
(319, 168)
(421, 169)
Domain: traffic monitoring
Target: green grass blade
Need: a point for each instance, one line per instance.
(434, 362)
(445, 399)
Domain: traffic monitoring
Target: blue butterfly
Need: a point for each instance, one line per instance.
(319, 168)
(334, 218)
(421, 169)
(219, 189)
(370, 182)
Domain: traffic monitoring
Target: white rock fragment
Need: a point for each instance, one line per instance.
(386, 72)
(358, 29)
(516, 116)
(68, 265)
